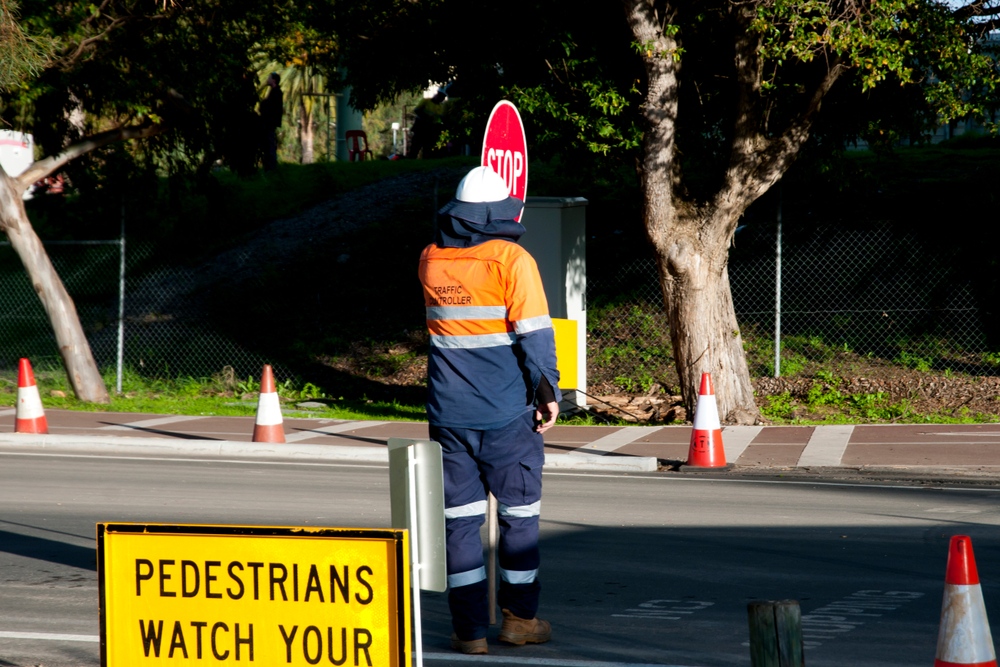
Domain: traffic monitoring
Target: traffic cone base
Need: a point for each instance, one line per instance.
(706, 449)
(964, 638)
(30, 417)
(268, 426)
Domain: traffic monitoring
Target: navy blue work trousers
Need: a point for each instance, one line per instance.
(506, 461)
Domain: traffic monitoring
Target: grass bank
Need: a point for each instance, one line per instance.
(221, 395)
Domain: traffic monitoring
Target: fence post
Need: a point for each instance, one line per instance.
(777, 290)
(775, 634)
(121, 302)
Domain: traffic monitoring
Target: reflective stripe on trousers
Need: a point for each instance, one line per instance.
(510, 459)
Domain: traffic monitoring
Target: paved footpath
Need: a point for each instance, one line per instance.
(610, 448)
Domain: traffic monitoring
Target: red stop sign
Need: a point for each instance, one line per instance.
(505, 149)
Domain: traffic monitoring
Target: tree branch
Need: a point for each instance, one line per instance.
(46, 166)
(659, 51)
(96, 14)
(750, 176)
(749, 74)
(67, 61)
(976, 8)
(783, 149)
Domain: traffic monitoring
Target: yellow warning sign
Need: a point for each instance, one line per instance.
(207, 595)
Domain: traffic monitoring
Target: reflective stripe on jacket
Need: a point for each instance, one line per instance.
(491, 339)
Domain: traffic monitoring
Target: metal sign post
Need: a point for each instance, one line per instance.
(416, 486)
(493, 537)
(505, 151)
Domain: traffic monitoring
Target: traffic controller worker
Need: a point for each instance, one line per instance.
(493, 389)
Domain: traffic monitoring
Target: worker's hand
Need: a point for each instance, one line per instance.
(545, 416)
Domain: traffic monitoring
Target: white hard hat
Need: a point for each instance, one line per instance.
(482, 184)
(483, 196)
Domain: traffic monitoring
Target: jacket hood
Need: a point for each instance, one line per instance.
(457, 233)
(481, 212)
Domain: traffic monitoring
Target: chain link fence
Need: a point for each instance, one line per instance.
(849, 298)
(90, 272)
(163, 332)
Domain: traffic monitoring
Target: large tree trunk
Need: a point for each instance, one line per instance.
(87, 383)
(703, 329)
(692, 238)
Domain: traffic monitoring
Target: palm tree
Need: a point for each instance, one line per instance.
(303, 87)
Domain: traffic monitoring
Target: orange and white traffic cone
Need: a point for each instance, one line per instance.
(268, 425)
(706, 450)
(964, 638)
(30, 415)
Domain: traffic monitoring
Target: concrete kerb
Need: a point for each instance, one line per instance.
(25, 443)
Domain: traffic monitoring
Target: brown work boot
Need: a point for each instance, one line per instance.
(469, 647)
(521, 631)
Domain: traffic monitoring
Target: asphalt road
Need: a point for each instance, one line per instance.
(637, 569)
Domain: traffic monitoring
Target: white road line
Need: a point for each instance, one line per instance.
(876, 443)
(8, 412)
(345, 464)
(145, 423)
(457, 657)
(542, 662)
(661, 479)
(49, 636)
(336, 428)
(826, 446)
(735, 440)
(615, 441)
(657, 478)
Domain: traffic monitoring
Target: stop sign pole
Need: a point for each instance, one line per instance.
(505, 149)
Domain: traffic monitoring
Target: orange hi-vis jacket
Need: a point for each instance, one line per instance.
(491, 338)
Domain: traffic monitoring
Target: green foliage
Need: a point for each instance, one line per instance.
(585, 98)
(915, 361)
(825, 403)
(576, 86)
(628, 335)
(184, 65)
(778, 407)
(906, 41)
(219, 395)
(581, 87)
(21, 55)
(378, 123)
(248, 386)
(640, 381)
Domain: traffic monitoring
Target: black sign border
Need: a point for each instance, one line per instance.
(393, 534)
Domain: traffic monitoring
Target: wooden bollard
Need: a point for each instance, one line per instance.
(775, 634)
